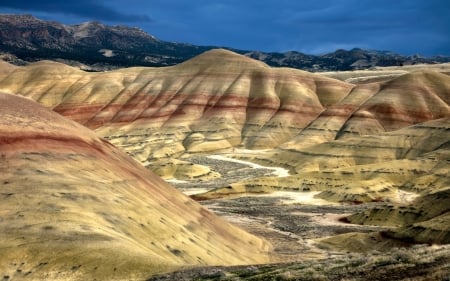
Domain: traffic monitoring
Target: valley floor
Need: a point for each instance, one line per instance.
(299, 227)
(414, 264)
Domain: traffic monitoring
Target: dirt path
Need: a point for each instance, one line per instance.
(278, 171)
(231, 170)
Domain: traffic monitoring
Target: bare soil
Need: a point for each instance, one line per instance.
(294, 225)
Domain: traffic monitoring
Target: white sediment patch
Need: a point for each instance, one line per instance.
(406, 197)
(192, 191)
(250, 151)
(173, 180)
(299, 197)
(107, 53)
(278, 171)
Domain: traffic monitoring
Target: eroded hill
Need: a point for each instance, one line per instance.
(76, 207)
(221, 100)
(384, 141)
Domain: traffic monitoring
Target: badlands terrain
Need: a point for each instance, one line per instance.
(75, 207)
(340, 175)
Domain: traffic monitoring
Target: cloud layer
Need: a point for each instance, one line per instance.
(89, 9)
(310, 26)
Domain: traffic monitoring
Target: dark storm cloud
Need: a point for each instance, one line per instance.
(89, 9)
(401, 26)
(310, 26)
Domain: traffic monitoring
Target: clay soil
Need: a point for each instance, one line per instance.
(295, 225)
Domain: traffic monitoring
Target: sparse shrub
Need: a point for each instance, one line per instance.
(403, 256)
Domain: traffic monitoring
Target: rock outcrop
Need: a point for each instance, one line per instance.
(76, 207)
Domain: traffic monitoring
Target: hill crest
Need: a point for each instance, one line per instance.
(74, 206)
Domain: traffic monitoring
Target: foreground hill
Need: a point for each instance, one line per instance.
(75, 206)
(96, 46)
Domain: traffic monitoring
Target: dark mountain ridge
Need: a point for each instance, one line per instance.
(96, 46)
(29, 39)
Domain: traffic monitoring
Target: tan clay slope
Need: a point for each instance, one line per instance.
(220, 100)
(408, 168)
(374, 108)
(368, 167)
(385, 73)
(5, 69)
(217, 100)
(74, 207)
(424, 221)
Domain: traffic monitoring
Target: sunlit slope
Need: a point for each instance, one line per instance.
(75, 207)
(371, 109)
(221, 100)
(365, 168)
(426, 219)
(6, 69)
(408, 168)
(214, 101)
(380, 141)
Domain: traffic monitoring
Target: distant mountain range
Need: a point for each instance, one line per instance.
(95, 46)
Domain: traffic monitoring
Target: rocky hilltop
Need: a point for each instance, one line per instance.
(96, 46)
(75, 207)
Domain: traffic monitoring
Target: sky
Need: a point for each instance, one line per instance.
(310, 26)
